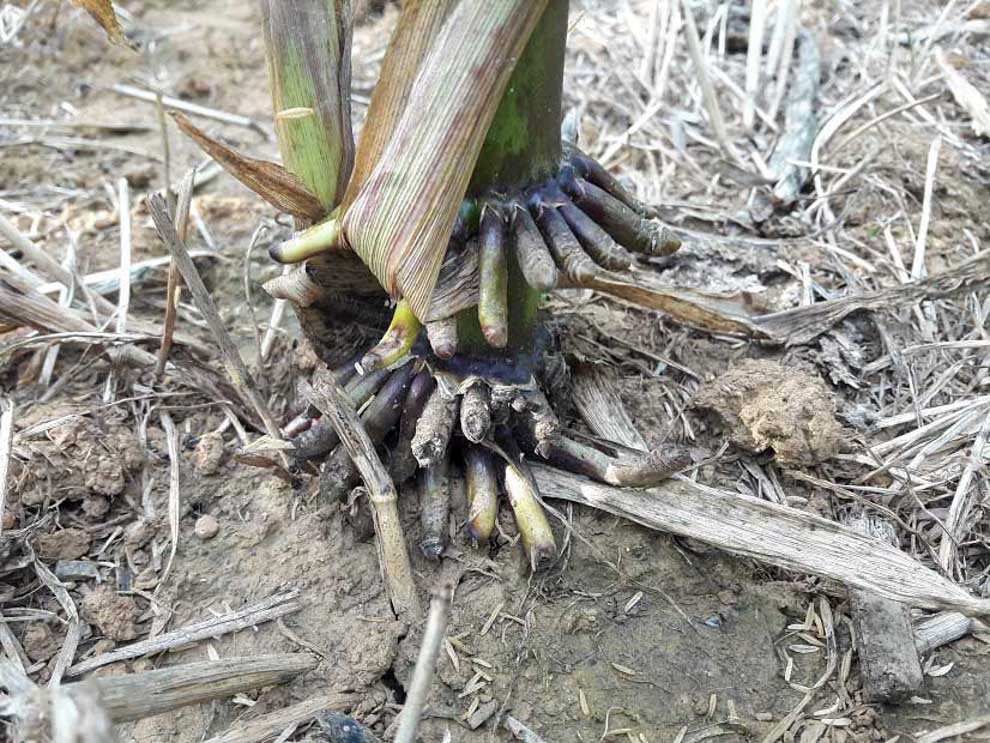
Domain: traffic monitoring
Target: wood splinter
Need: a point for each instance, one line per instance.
(888, 656)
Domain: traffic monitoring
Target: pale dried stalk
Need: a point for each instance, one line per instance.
(134, 696)
(436, 625)
(177, 104)
(962, 501)
(6, 445)
(918, 270)
(400, 226)
(393, 557)
(266, 610)
(172, 291)
(966, 95)
(940, 629)
(708, 95)
(172, 439)
(783, 536)
(754, 57)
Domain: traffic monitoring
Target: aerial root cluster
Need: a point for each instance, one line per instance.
(446, 438)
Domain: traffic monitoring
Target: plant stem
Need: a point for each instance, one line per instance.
(522, 148)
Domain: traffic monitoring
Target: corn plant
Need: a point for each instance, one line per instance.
(460, 206)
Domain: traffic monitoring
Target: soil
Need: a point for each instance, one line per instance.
(630, 630)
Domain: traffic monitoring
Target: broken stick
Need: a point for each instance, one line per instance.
(888, 658)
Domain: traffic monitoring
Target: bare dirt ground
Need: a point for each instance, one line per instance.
(632, 635)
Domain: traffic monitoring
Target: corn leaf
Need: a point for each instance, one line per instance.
(103, 13)
(401, 219)
(308, 46)
(269, 180)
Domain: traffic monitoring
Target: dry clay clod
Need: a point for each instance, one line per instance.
(762, 405)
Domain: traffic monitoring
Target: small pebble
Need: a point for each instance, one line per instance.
(206, 527)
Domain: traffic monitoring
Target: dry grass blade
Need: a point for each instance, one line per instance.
(966, 95)
(269, 180)
(803, 324)
(956, 522)
(266, 610)
(754, 59)
(172, 290)
(712, 312)
(400, 225)
(172, 437)
(955, 730)
(331, 400)
(783, 536)
(74, 630)
(236, 368)
(103, 13)
(708, 95)
(6, 442)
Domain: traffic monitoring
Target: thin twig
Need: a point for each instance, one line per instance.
(172, 437)
(436, 625)
(195, 109)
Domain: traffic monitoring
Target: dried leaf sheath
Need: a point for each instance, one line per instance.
(400, 221)
(307, 43)
(419, 24)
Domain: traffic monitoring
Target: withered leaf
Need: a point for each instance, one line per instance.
(103, 13)
(269, 180)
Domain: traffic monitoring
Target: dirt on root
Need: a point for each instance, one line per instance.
(631, 634)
